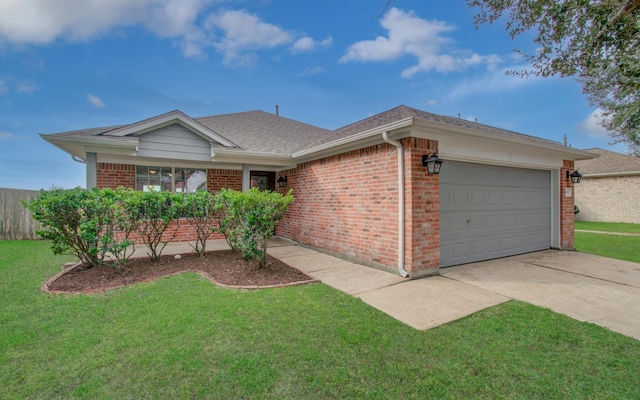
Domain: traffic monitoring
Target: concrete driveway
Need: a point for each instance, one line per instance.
(585, 287)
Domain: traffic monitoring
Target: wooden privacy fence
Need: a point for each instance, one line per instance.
(15, 220)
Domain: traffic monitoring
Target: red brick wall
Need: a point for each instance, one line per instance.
(183, 230)
(422, 209)
(346, 203)
(567, 216)
(223, 179)
(116, 175)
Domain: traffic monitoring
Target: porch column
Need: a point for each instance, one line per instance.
(246, 178)
(92, 170)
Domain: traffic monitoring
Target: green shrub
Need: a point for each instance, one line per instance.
(198, 210)
(248, 219)
(86, 223)
(155, 211)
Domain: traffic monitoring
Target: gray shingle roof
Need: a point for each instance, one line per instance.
(403, 112)
(270, 134)
(263, 132)
(609, 162)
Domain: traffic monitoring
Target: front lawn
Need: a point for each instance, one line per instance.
(182, 337)
(608, 226)
(621, 247)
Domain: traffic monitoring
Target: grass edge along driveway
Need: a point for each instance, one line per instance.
(622, 247)
(182, 337)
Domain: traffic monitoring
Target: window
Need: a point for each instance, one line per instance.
(170, 179)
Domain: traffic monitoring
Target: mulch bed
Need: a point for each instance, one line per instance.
(226, 268)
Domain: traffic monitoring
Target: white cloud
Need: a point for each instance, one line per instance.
(44, 21)
(26, 87)
(591, 125)
(311, 71)
(95, 101)
(492, 81)
(424, 39)
(243, 33)
(432, 102)
(5, 135)
(236, 34)
(308, 44)
(3, 88)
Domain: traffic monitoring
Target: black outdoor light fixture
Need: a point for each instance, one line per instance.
(432, 162)
(575, 176)
(282, 181)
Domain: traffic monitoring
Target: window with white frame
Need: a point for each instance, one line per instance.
(170, 179)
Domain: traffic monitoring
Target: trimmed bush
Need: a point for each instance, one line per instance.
(86, 223)
(248, 219)
(198, 209)
(155, 211)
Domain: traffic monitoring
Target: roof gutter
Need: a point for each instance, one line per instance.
(544, 144)
(403, 272)
(611, 174)
(354, 138)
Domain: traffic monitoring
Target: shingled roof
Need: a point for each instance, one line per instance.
(608, 163)
(403, 112)
(261, 131)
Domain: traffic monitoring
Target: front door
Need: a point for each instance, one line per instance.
(263, 180)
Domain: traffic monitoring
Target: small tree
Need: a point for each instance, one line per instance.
(198, 210)
(248, 220)
(155, 210)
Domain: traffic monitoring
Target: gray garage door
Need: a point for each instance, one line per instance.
(489, 211)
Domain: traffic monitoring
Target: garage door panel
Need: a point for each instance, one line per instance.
(489, 211)
(478, 198)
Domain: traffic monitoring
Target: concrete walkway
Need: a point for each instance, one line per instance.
(585, 287)
(422, 303)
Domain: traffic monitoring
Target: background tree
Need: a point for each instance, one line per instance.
(596, 41)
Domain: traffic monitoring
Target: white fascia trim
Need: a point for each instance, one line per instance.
(354, 138)
(448, 129)
(251, 157)
(611, 174)
(169, 118)
(92, 141)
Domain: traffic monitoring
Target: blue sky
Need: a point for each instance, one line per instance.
(73, 64)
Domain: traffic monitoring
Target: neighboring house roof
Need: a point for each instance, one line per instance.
(610, 163)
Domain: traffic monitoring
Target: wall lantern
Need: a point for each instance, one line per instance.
(575, 176)
(282, 181)
(432, 162)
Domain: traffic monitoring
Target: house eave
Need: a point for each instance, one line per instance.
(446, 129)
(611, 174)
(250, 157)
(167, 119)
(347, 143)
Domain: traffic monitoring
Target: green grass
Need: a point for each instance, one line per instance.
(613, 246)
(182, 337)
(608, 226)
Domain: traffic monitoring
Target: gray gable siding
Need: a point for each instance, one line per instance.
(175, 142)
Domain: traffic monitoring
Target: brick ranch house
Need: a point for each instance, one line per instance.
(361, 191)
(610, 188)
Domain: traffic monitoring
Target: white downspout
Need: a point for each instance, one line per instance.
(403, 272)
